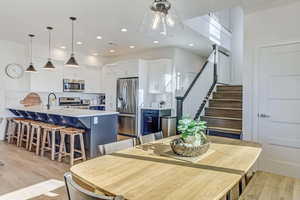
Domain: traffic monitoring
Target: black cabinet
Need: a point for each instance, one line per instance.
(151, 120)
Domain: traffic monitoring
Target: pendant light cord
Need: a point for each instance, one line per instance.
(31, 36)
(49, 44)
(72, 37)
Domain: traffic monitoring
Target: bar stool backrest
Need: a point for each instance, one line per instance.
(116, 146)
(75, 192)
(151, 137)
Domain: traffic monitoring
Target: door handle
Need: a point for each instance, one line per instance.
(263, 115)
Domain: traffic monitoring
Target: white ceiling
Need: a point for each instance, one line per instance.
(105, 18)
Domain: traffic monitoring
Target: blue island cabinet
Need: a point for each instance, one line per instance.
(101, 127)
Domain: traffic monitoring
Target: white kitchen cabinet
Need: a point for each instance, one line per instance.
(159, 76)
(92, 77)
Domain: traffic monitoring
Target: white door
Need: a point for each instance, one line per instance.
(279, 109)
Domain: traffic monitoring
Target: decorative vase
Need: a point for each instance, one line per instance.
(181, 148)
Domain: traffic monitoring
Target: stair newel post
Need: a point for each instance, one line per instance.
(179, 109)
(215, 48)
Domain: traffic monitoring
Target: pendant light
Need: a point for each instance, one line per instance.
(72, 61)
(161, 19)
(31, 67)
(49, 64)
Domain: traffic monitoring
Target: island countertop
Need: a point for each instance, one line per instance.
(69, 112)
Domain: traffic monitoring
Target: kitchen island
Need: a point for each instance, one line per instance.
(101, 126)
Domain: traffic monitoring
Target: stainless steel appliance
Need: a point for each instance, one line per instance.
(127, 105)
(70, 85)
(72, 102)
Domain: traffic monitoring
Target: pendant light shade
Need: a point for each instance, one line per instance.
(31, 68)
(72, 61)
(161, 20)
(49, 64)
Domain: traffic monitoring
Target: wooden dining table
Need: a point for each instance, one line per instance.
(144, 173)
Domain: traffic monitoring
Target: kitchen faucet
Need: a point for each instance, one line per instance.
(51, 93)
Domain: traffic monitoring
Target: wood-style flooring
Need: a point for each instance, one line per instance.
(22, 169)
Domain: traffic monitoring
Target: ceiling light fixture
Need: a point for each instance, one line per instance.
(95, 54)
(79, 43)
(99, 37)
(155, 42)
(131, 47)
(191, 44)
(162, 19)
(63, 47)
(49, 64)
(112, 51)
(72, 61)
(124, 30)
(31, 67)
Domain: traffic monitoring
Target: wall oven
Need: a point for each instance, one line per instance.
(70, 85)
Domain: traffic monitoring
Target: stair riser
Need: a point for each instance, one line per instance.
(229, 88)
(224, 123)
(228, 95)
(223, 113)
(225, 104)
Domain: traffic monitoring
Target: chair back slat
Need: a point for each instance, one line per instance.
(151, 137)
(116, 146)
(75, 192)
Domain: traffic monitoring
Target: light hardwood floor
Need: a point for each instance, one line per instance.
(22, 169)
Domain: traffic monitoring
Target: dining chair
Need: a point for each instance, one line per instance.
(151, 137)
(76, 192)
(116, 146)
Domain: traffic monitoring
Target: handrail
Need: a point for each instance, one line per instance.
(180, 99)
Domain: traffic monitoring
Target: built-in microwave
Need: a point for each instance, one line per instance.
(70, 85)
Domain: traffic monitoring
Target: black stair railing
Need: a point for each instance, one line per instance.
(180, 99)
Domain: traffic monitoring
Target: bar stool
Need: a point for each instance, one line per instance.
(9, 128)
(49, 139)
(35, 136)
(25, 132)
(72, 132)
(16, 132)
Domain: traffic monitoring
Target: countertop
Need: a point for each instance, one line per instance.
(69, 112)
(153, 108)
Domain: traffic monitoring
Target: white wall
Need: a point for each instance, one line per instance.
(264, 28)
(237, 45)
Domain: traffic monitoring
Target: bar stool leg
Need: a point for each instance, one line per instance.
(31, 138)
(44, 137)
(28, 136)
(53, 145)
(82, 147)
(10, 131)
(38, 137)
(72, 142)
(19, 134)
(62, 150)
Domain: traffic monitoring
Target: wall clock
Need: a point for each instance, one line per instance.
(14, 71)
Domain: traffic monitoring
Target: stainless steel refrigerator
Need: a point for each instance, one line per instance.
(127, 105)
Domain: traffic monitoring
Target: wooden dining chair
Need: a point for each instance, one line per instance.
(151, 137)
(75, 192)
(116, 146)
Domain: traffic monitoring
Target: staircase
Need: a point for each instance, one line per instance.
(224, 113)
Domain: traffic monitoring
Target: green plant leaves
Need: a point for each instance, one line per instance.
(189, 127)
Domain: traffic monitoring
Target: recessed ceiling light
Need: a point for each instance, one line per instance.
(191, 45)
(79, 43)
(63, 47)
(124, 30)
(155, 42)
(95, 54)
(99, 37)
(131, 47)
(112, 51)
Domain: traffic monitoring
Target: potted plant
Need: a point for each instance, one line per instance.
(193, 141)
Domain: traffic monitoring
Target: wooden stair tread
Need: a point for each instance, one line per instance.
(225, 130)
(229, 118)
(225, 108)
(235, 100)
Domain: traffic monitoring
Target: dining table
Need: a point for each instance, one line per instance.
(150, 171)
